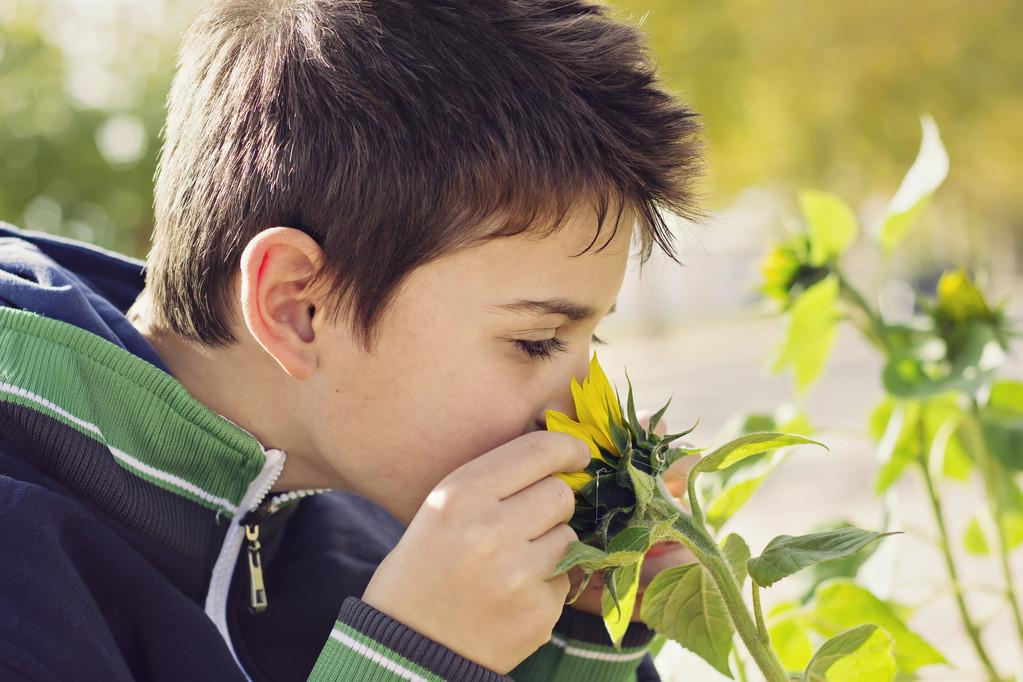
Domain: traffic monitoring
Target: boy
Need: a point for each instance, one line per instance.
(384, 234)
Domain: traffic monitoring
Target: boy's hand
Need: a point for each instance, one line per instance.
(471, 570)
(661, 556)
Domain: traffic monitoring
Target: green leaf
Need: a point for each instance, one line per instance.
(843, 567)
(798, 423)
(925, 175)
(1002, 421)
(1003, 434)
(618, 600)
(1008, 396)
(632, 539)
(675, 454)
(581, 587)
(738, 489)
(736, 553)
(935, 416)
(831, 224)
(895, 425)
(742, 447)
(594, 559)
(790, 636)
(813, 323)
(842, 604)
(683, 604)
(857, 654)
(731, 500)
(975, 540)
(1012, 527)
(656, 644)
(785, 554)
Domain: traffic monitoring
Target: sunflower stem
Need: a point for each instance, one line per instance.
(989, 474)
(699, 541)
(761, 651)
(759, 613)
(740, 667)
(972, 630)
(876, 330)
(694, 504)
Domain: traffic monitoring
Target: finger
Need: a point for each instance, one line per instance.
(676, 477)
(539, 508)
(550, 548)
(561, 586)
(523, 461)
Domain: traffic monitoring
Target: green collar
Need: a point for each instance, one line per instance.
(151, 424)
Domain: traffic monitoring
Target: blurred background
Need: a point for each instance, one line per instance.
(794, 95)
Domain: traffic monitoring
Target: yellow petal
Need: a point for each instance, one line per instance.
(575, 480)
(960, 298)
(596, 403)
(562, 423)
(602, 388)
(589, 413)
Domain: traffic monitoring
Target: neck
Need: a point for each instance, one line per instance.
(243, 384)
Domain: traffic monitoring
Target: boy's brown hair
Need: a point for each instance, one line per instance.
(395, 131)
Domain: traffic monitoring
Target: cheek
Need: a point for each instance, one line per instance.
(457, 426)
(413, 414)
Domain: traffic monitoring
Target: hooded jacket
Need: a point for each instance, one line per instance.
(138, 537)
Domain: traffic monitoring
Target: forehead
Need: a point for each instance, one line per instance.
(530, 267)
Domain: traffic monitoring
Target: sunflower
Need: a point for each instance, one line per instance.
(786, 271)
(959, 299)
(596, 405)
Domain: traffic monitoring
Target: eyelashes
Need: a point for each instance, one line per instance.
(544, 350)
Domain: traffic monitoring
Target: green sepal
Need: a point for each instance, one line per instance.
(637, 428)
(655, 419)
(621, 437)
(643, 485)
(675, 436)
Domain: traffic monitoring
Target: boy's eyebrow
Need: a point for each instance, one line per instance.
(555, 306)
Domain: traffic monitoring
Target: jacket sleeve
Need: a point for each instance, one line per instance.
(368, 645)
(581, 651)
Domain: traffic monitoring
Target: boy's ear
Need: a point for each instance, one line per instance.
(276, 300)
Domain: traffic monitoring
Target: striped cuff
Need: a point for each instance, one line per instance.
(587, 627)
(370, 646)
(580, 650)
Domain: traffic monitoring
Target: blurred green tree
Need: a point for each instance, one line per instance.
(791, 94)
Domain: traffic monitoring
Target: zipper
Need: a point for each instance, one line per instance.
(220, 578)
(257, 591)
(251, 521)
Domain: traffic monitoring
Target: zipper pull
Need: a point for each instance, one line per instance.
(257, 592)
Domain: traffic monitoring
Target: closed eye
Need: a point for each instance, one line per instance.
(545, 349)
